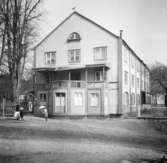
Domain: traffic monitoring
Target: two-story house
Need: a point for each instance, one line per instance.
(83, 69)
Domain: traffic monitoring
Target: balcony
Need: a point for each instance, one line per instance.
(70, 84)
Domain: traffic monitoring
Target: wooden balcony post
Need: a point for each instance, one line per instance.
(69, 94)
(103, 73)
(69, 75)
(86, 75)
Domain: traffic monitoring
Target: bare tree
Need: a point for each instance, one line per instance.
(16, 20)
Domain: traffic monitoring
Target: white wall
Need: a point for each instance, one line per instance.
(91, 36)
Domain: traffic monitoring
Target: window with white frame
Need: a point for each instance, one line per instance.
(126, 77)
(133, 80)
(132, 100)
(50, 58)
(137, 99)
(78, 99)
(100, 53)
(138, 66)
(74, 55)
(138, 82)
(126, 98)
(98, 76)
(126, 55)
(132, 62)
(94, 99)
(42, 97)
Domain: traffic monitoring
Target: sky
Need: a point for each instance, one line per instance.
(144, 22)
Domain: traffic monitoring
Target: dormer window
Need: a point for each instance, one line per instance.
(74, 37)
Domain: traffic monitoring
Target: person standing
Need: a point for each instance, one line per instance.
(17, 113)
(44, 111)
(45, 114)
(22, 112)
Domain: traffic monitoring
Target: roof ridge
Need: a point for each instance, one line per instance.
(74, 12)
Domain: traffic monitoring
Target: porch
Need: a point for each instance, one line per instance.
(76, 91)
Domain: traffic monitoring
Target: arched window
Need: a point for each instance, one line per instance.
(74, 37)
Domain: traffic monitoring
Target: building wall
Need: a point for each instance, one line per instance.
(140, 74)
(91, 36)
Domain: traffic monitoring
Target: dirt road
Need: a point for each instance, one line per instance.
(87, 140)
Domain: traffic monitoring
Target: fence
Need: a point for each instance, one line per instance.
(7, 109)
(154, 111)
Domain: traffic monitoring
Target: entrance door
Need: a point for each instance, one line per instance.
(94, 102)
(60, 102)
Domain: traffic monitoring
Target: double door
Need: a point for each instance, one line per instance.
(60, 102)
(94, 102)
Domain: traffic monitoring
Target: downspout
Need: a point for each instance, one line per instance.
(119, 111)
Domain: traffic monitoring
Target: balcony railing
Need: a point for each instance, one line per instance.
(70, 84)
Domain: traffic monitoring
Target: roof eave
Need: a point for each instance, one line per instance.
(66, 20)
(125, 43)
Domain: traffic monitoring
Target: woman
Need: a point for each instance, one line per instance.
(45, 114)
(44, 111)
(17, 112)
(22, 112)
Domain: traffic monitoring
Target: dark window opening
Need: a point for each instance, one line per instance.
(75, 76)
(74, 37)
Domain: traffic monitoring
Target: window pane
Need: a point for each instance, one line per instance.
(100, 53)
(41, 97)
(50, 57)
(94, 98)
(103, 53)
(133, 80)
(77, 56)
(126, 77)
(126, 98)
(98, 76)
(44, 97)
(132, 99)
(53, 58)
(74, 55)
(78, 99)
(138, 83)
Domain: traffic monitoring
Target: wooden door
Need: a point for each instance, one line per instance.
(60, 102)
(94, 102)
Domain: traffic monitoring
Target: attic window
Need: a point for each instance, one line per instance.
(74, 37)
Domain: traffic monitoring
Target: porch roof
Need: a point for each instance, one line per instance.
(71, 67)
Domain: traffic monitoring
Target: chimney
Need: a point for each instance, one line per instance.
(120, 35)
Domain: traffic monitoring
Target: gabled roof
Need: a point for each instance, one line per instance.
(81, 17)
(104, 29)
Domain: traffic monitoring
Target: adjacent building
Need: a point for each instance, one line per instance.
(82, 69)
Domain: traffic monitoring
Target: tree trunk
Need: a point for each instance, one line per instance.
(16, 82)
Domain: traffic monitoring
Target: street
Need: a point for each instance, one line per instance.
(85, 140)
